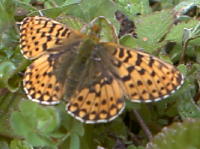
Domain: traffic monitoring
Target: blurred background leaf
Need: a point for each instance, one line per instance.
(178, 135)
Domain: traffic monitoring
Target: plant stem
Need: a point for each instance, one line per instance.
(143, 125)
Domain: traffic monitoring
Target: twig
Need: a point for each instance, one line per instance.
(143, 125)
(183, 53)
(134, 138)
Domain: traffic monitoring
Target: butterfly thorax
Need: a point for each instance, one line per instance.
(73, 62)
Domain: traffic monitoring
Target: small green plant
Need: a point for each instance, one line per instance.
(168, 29)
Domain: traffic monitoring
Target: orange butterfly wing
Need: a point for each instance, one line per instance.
(42, 39)
(38, 34)
(145, 77)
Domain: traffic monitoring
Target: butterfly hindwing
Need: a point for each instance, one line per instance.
(44, 79)
(41, 84)
(100, 102)
(99, 96)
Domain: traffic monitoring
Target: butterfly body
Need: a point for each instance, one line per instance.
(77, 68)
(94, 77)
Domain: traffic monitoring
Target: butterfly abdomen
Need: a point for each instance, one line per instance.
(78, 66)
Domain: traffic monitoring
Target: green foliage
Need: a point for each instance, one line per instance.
(168, 33)
(151, 35)
(72, 22)
(134, 7)
(178, 136)
(35, 123)
(134, 147)
(18, 144)
(4, 145)
(179, 28)
(105, 31)
(6, 70)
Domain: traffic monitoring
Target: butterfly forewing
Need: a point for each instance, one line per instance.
(44, 80)
(38, 34)
(145, 77)
(44, 39)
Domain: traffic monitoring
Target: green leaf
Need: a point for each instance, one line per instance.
(186, 106)
(182, 68)
(7, 69)
(191, 34)
(56, 11)
(8, 104)
(76, 127)
(7, 9)
(133, 7)
(102, 133)
(101, 28)
(134, 147)
(151, 29)
(47, 117)
(4, 145)
(25, 6)
(18, 144)
(38, 140)
(28, 108)
(74, 141)
(8, 36)
(19, 124)
(183, 7)
(174, 37)
(69, 2)
(128, 41)
(178, 136)
(87, 10)
(70, 21)
(36, 123)
(176, 52)
(51, 127)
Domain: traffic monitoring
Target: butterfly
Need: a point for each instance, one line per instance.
(93, 77)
